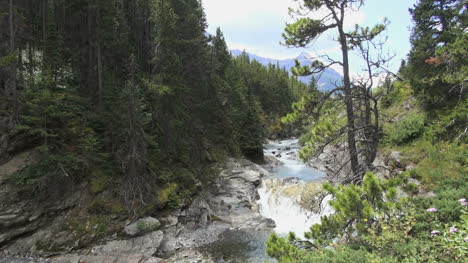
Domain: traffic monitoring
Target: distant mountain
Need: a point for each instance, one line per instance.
(326, 81)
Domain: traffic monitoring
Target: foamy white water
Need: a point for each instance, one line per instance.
(280, 197)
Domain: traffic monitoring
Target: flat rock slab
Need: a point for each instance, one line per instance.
(146, 245)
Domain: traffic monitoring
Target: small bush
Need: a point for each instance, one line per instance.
(407, 129)
(398, 93)
(145, 227)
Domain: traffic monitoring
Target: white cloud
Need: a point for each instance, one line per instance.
(256, 26)
(354, 17)
(260, 13)
(246, 13)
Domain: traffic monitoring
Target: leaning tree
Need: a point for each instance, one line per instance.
(360, 131)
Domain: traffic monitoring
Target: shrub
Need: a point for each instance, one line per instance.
(370, 225)
(406, 130)
(398, 92)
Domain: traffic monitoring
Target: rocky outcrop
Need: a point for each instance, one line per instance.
(145, 245)
(230, 202)
(190, 256)
(271, 163)
(135, 250)
(20, 215)
(106, 259)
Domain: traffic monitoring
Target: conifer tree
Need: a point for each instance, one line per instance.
(360, 105)
(437, 60)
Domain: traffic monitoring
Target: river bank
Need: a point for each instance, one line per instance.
(228, 222)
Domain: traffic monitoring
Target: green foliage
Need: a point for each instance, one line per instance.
(449, 124)
(179, 199)
(435, 161)
(321, 120)
(50, 166)
(57, 116)
(145, 227)
(437, 61)
(374, 226)
(106, 205)
(407, 129)
(357, 208)
(448, 191)
(8, 60)
(453, 238)
(137, 88)
(303, 31)
(100, 181)
(51, 177)
(395, 93)
(80, 227)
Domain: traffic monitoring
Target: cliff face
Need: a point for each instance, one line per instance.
(20, 215)
(17, 216)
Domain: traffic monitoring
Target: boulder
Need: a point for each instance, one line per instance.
(142, 226)
(272, 161)
(268, 222)
(394, 160)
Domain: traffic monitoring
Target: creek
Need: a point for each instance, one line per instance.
(281, 198)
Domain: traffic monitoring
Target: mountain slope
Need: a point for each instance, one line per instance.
(326, 80)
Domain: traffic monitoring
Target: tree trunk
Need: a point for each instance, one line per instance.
(45, 8)
(90, 66)
(369, 130)
(353, 155)
(12, 92)
(99, 60)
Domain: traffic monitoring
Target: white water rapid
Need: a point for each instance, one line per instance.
(284, 195)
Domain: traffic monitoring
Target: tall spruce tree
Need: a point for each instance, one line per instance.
(437, 60)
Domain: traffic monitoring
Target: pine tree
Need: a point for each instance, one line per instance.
(360, 104)
(439, 24)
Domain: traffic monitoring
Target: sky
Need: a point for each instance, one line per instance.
(256, 26)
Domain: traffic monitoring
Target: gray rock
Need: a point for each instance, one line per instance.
(229, 203)
(268, 222)
(146, 245)
(142, 226)
(190, 256)
(73, 258)
(395, 156)
(291, 180)
(170, 220)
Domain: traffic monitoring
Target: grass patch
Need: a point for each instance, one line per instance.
(101, 180)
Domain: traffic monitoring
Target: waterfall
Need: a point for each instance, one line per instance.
(283, 197)
(282, 202)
